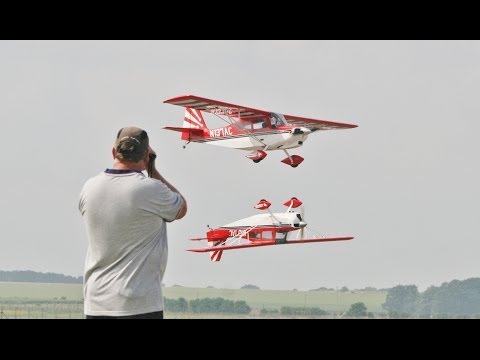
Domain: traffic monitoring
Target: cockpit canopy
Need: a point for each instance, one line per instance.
(277, 120)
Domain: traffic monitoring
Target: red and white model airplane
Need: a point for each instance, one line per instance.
(247, 129)
(261, 230)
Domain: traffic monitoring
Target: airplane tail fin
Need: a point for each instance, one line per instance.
(194, 126)
(193, 118)
(216, 255)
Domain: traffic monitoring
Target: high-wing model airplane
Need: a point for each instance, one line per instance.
(261, 230)
(247, 129)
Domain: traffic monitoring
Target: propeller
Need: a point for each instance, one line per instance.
(302, 229)
(301, 223)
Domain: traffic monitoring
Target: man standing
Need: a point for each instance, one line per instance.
(125, 214)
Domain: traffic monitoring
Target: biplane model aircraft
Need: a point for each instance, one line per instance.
(247, 129)
(262, 230)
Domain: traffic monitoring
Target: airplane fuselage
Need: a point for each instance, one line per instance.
(258, 140)
(292, 219)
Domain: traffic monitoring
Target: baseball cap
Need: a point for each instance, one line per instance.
(132, 143)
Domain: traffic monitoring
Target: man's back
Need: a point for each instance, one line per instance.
(125, 215)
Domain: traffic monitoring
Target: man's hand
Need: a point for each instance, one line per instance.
(151, 161)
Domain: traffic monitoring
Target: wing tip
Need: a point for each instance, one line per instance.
(345, 125)
(176, 98)
(344, 238)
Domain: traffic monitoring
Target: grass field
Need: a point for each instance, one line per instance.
(275, 299)
(39, 291)
(337, 301)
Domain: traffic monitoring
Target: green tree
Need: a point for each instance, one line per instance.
(458, 298)
(241, 307)
(219, 305)
(401, 300)
(178, 305)
(357, 310)
(182, 305)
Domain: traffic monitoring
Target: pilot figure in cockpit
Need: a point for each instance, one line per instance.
(274, 121)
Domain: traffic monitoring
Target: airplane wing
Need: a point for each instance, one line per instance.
(316, 124)
(302, 241)
(268, 243)
(232, 247)
(217, 107)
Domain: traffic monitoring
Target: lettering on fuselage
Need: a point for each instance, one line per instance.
(236, 232)
(226, 131)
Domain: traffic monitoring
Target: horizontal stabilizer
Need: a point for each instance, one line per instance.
(190, 131)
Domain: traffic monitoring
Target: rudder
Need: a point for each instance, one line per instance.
(193, 119)
(216, 255)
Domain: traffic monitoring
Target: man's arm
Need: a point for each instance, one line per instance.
(150, 164)
(183, 209)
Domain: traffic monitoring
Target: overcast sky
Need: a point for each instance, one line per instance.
(405, 183)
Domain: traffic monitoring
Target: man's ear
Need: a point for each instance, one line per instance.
(114, 152)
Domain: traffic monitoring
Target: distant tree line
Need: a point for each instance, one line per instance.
(454, 298)
(345, 289)
(302, 311)
(176, 305)
(250, 286)
(207, 305)
(38, 277)
(322, 288)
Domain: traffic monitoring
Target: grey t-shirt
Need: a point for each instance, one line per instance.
(125, 216)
